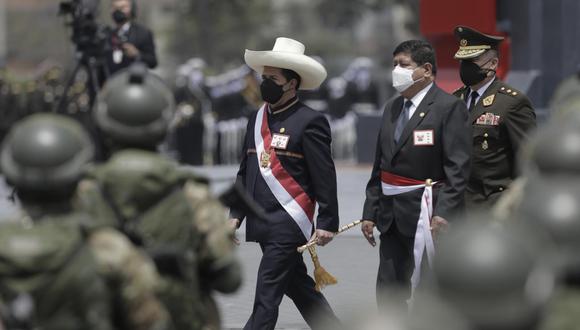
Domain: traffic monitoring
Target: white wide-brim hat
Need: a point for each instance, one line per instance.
(288, 54)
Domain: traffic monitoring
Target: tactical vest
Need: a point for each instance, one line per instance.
(144, 193)
(49, 278)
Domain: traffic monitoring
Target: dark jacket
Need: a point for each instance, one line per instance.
(496, 145)
(447, 161)
(142, 38)
(307, 159)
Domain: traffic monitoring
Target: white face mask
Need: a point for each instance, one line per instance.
(403, 78)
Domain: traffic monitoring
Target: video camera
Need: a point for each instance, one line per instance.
(90, 38)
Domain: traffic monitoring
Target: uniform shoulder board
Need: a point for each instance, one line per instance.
(508, 90)
(460, 89)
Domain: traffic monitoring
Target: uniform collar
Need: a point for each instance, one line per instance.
(283, 107)
(483, 88)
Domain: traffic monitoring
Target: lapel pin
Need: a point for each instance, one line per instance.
(282, 130)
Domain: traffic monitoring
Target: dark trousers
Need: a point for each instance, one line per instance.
(283, 272)
(395, 267)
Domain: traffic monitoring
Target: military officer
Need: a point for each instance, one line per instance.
(500, 115)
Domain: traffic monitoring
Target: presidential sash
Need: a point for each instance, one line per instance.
(287, 191)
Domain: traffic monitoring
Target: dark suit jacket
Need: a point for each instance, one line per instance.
(495, 147)
(142, 38)
(448, 161)
(307, 159)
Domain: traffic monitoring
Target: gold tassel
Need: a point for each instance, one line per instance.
(321, 276)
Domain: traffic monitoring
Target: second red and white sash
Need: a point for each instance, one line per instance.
(283, 186)
(393, 184)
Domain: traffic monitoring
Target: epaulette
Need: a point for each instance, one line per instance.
(508, 90)
(460, 89)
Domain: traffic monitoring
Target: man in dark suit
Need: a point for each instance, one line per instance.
(502, 118)
(287, 168)
(424, 135)
(130, 41)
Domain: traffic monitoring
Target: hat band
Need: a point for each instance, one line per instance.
(475, 47)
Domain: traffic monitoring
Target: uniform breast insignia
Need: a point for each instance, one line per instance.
(488, 118)
(484, 145)
(488, 100)
(265, 159)
(279, 141)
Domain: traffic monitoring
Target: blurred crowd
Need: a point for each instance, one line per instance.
(212, 109)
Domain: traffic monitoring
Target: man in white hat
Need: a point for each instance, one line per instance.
(287, 168)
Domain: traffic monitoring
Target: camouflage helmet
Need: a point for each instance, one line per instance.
(552, 206)
(135, 107)
(491, 275)
(555, 149)
(44, 152)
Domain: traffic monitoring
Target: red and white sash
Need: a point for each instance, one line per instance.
(283, 186)
(393, 184)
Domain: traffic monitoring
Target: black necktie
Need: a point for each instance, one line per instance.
(402, 120)
(474, 95)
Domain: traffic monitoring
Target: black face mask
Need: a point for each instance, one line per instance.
(271, 92)
(471, 73)
(119, 17)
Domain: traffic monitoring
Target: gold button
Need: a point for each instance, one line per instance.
(514, 93)
(503, 88)
(422, 114)
(282, 130)
(485, 135)
(500, 188)
(509, 91)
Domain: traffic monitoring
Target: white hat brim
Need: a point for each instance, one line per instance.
(310, 71)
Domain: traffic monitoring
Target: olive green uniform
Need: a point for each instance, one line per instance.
(501, 120)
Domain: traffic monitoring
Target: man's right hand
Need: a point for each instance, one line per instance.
(234, 223)
(367, 230)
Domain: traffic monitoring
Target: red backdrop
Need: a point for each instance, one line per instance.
(438, 18)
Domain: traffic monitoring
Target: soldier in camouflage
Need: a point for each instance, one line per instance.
(162, 207)
(553, 207)
(57, 269)
(492, 275)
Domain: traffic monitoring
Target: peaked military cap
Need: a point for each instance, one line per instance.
(473, 43)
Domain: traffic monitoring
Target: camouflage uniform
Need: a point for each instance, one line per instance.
(85, 277)
(166, 210)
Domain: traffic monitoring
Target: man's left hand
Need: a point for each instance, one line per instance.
(324, 237)
(130, 50)
(438, 225)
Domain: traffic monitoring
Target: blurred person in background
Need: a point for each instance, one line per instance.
(130, 41)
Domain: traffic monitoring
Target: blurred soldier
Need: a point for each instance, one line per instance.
(553, 207)
(193, 105)
(501, 117)
(164, 209)
(553, 151)
(424, 136)
(567, 90)
(57, 270)
(130, 41)
(428, 313)
(492, 276)
(288, 168)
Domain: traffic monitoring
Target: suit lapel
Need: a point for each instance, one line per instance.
(417, 118)
(479, 108)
